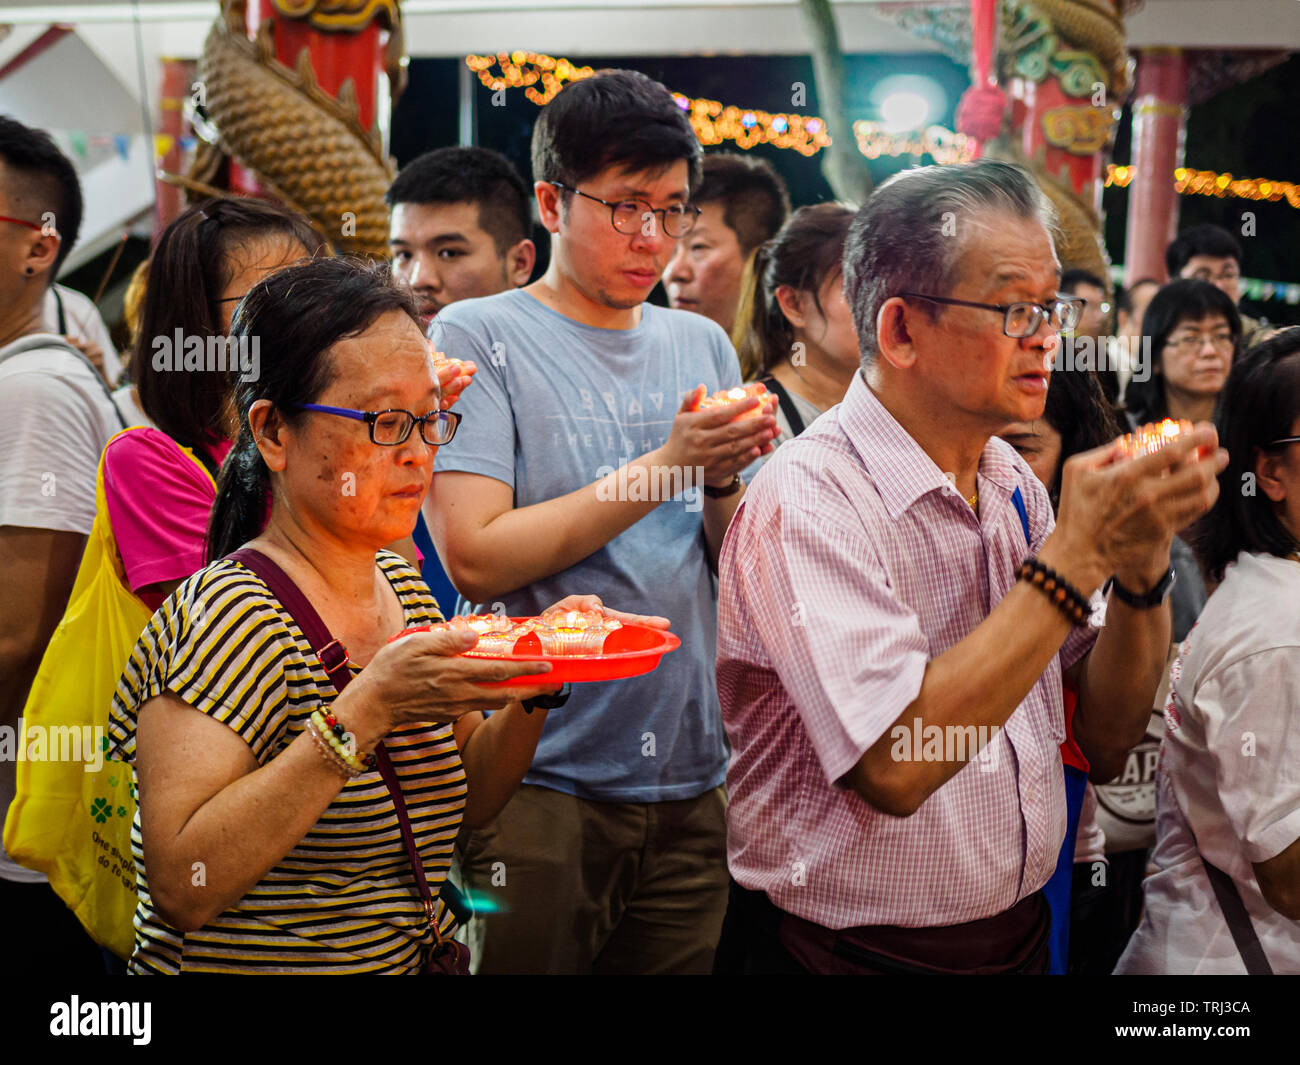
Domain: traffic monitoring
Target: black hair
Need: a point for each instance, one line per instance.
(755, 201)
(470, 175)
(808, 249)
(1260, 404)
(300, 312)
(1207, 239)
(1078, 409)
(190, 267)
(47, 182)
(1074, 277)
(1184, 300)
(1124, 293)
(619, 118)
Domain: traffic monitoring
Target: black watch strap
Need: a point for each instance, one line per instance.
(548, 702)
(729, 489)
(1152, 598)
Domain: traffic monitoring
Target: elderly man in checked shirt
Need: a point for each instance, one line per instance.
(870, 612)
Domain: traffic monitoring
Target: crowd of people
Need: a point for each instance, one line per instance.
(962, 687)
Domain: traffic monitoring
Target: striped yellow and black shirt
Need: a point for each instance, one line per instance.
(344, 900)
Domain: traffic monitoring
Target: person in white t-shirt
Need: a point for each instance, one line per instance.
(55, 418)
(1226, 894)
(74, 316)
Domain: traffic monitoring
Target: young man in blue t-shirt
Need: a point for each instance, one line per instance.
(581, 466)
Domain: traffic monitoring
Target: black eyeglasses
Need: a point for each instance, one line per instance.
(1284, 440)
(629, 216)
(389, 428)
(1021, 319)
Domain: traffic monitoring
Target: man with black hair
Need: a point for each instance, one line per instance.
(1094, 324)
(1211, 253)
(56, 415)
(582, 463)
(1096, 318)
(743, 202)
(459, 227)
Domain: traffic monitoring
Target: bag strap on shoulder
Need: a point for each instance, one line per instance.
(1239, 922)
(788, 408)
(334, 658)
(46, 342)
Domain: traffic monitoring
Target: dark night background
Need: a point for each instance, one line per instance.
(1244, 130)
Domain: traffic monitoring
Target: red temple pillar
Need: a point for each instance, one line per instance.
(1159, 130)
(177, 79)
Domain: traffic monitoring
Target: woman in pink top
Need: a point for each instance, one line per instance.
(159, 482)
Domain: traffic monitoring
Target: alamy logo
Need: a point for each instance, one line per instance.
(56, 743)
(193, 354)
(919, 742)
(653, 484)
(102, 1018)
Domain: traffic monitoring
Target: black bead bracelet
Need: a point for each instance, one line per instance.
(1064, 595)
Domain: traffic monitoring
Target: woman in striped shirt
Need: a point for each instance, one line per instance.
(254, 852)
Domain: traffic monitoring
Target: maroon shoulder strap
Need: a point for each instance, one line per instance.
(334, 657)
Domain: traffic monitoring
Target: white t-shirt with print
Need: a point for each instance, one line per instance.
(1229, 776)
(55, 418)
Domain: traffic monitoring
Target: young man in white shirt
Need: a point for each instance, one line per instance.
(55, 418)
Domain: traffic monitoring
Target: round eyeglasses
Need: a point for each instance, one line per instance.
(633, 216)
(1021, 319)
(389, 428)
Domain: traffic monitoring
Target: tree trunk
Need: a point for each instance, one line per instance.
(843, 166)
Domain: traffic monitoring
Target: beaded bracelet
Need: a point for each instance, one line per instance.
(329, 754)
(327, 727)
(1064, 595)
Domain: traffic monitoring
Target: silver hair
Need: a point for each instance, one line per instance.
(910, 234)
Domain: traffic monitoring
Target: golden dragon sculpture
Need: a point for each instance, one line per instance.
(304, 146)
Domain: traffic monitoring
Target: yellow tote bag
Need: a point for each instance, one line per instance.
(71, 824)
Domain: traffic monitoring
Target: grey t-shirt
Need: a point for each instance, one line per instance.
(555, 406)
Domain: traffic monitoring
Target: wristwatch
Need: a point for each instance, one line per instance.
(548, 702)
(1153, 598)
(728, 489)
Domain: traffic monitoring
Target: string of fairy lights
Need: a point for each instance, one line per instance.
(542, 76)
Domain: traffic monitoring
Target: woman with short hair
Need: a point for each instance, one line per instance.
(266, 841)
(1226, 894)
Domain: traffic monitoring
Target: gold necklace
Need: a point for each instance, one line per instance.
(974, 501)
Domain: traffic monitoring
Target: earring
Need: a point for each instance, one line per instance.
(28, 271)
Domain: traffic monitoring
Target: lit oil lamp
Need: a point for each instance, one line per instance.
(574, 632)
(440, 360)
(727, 396)
(1151, 438)
(493, 633)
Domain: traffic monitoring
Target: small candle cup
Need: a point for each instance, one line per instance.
(728, 396)
(1152, 437)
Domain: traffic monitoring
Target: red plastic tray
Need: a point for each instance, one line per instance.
(629, 652)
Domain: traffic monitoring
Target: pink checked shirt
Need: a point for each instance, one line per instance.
(851, 563)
